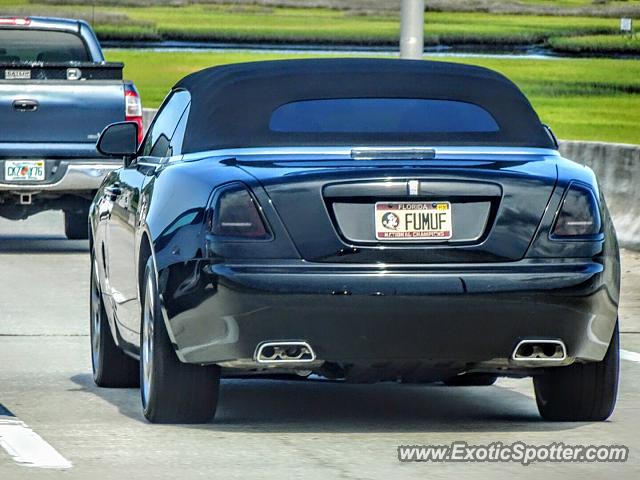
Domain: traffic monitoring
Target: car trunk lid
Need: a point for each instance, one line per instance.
(328, 206)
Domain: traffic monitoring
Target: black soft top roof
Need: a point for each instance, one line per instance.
(231, 105)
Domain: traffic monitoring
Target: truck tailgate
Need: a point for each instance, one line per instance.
(41, 112)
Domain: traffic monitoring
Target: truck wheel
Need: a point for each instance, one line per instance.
(76, 224)
(471, 380)
(582, 392)
(111, 366)
(171, 391)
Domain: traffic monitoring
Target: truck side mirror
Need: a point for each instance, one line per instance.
(119, 140)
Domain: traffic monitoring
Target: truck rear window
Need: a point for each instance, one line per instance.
(381, 115)
(17, 46)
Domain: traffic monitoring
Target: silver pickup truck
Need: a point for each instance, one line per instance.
(57, 93)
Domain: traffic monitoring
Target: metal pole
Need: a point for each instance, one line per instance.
(412, 29)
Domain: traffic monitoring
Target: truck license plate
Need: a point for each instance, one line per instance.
(24, 170)
(413, 221)
(17, 74)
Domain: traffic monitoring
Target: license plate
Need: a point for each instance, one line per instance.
(24, 171)
(17, 74)
(413, 221)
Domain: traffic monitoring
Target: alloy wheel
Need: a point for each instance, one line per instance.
(96, 320)
(146, 357)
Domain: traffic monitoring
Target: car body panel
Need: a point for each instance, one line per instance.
(222, 298)
(368, 315)
(121, 233)
(303, 191)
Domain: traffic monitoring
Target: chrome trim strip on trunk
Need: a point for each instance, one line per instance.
(435, 153)
(392, 153)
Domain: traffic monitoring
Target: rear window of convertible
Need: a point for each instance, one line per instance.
(381, 115)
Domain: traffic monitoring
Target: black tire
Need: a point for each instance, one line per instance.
(171, 391)
(582, 392)
(111, 366)
(76, 224)
(471, 380)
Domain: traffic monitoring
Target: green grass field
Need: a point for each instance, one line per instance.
(578, 3)
(585, 99)
(589, 99)
(477, 23)
(202, 22)
(597, 7)
(600, 44)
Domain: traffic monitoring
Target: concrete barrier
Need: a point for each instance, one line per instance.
(147, 117)
(617, 167)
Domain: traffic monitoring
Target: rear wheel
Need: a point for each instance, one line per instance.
(76, 223)
(582, 391)
(111, 366)
(172, 391)
(471, 380)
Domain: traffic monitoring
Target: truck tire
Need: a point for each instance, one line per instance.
(171, 391)
(76, 224)
(111, 367)
(582, 392)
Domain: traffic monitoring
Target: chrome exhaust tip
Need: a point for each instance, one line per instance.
(540, 351)
(284, 352)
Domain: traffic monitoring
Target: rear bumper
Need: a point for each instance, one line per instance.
(462, 316)
(64, 176)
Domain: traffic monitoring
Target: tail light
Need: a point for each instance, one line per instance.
(15, 21)
(579, 215)
(133, 108)
(236, 213)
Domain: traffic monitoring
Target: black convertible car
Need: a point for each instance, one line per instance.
(356, 219)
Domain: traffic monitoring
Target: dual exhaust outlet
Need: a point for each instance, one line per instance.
(551, 351)
(284, 352)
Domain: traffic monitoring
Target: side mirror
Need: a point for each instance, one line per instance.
(119, 140)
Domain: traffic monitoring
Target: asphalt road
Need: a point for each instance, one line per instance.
(264, 429)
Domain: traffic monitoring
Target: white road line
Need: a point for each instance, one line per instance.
(28, 448)
(631, 356)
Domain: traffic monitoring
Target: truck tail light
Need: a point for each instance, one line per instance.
(15, 21)
(579, 215)
(236, 213)
(133, 108)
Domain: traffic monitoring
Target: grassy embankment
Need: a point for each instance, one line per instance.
(597, 44)
(201, 22)
(586, 99)
(479, 22)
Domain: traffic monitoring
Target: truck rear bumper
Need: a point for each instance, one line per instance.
(64, 176)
